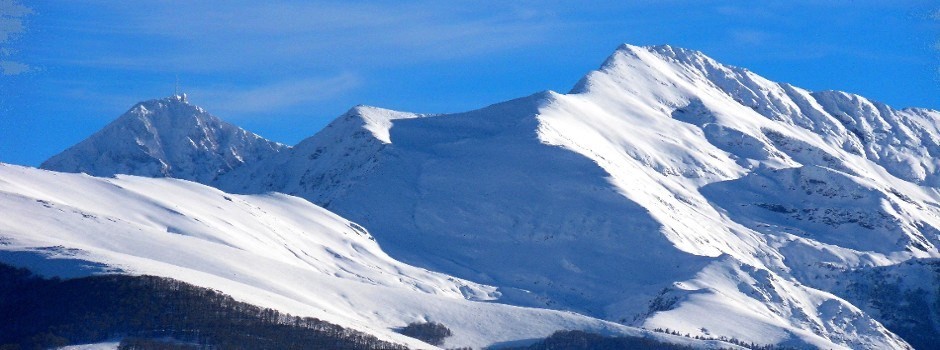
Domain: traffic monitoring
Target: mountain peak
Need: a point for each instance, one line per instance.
(377, 121)
(166, 137)
(178, 104)
(668, 186)
(181, 97)
(662, 52)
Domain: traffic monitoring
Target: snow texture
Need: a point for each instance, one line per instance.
(665, 190)
(271, 250)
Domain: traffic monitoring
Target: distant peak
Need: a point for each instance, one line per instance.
(162, 137)
(629, 62)
(372, 112)
(362, 109)
(181, 97)
(376, 120)
(160, 103)
(180, 100)
(173, 109)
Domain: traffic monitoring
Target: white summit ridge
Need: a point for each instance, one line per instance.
(665, 190)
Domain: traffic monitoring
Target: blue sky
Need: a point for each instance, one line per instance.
(283, 70)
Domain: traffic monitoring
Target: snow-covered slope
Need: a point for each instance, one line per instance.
(906, 297)
(165, 138)
(665, 190)
(271, 250)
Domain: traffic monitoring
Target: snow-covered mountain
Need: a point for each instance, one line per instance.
(665, 190)
(271, 250)
(165, 138)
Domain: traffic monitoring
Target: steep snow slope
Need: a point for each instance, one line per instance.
(906, 296)
(451, 205)
(665, 190)
(770, 174)
(351, 140)
(165, 138)
(272, 250)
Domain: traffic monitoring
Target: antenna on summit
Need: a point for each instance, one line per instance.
(176, 91)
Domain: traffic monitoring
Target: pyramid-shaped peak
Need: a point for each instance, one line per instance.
(634, 67)
(166, 137)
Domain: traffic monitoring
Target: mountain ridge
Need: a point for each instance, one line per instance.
(664, 187)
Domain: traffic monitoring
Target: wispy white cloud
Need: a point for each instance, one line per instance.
(227, 47)
(13, 68)
(749, 37)
(11, 19)
(211, 37)
(11, 26)
(746, 11)
(274, 96)
(935, 15)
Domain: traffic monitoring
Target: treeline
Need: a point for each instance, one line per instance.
(429, 332)
(730, 340)
(579, 340)
(40, 313)
(154, 344)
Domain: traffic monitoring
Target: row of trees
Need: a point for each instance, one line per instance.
(429, 332)
(731, 340)
(579, 340)
(154, 313)
(41, 313)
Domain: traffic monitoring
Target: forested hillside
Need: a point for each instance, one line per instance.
(39, 313)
